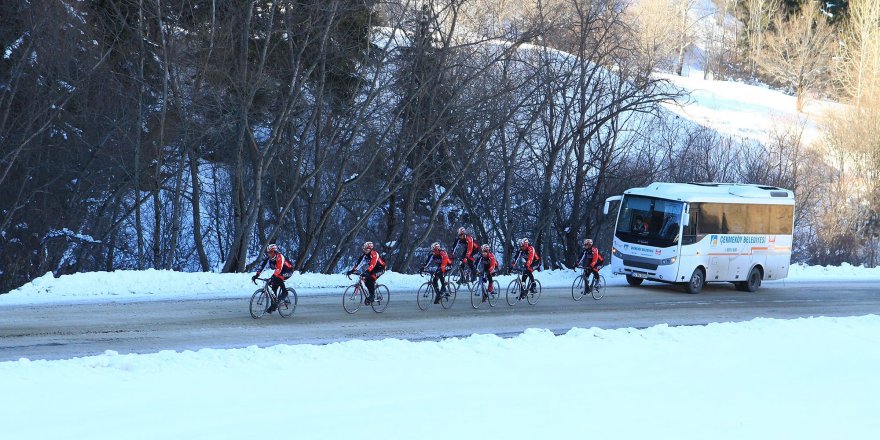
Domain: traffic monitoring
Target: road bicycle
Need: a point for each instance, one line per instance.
(480, 294)
(355, 294)
(427, 293)
(265, 297)
(597, 288)
(460, 274)
(516, 288)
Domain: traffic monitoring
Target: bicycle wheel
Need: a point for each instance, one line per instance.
(493, 297)
(352, 298)
(476, 295)
(383, 297)
(448, 298)
(285, 308)
(599, 291)
(425, 295)
(513, 291)
(577, 288)
(259, 303)
(532, 297)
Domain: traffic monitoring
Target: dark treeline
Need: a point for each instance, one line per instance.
(187, 134)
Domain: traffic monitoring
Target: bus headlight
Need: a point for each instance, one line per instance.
(667, 261)
(615, 252)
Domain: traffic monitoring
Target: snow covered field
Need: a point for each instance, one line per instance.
(806, 378)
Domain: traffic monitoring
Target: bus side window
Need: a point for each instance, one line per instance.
(689, 234)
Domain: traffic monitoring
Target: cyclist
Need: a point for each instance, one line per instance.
(471, 248)
(439, 259)
(374, 268)
(531, 261)
(283, 269)
(489, 264)
(591, 260)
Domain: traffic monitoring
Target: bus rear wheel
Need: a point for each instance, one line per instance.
(698, 278)
(753, 282)
(633, 281)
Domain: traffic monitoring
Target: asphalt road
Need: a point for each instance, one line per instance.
(74, 330)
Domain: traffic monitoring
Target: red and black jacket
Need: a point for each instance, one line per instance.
(490, 264)
(529, 255)
(375, 263)
(440, 260)
(590, 257)
(282, 267)
(470, 246)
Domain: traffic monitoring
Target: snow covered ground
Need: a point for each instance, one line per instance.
(164, 285)
(807, 378)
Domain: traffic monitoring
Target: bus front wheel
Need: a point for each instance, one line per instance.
(633, 281)
(698, 278)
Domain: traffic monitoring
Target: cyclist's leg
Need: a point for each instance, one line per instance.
(437, 280)
(490, 287)
(531, 285)
(472, 266)
(285, 276)
(595, 272)
(370, 282)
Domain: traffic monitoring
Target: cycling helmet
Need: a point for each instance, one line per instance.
(435, 247)
(271, 248)
(368, 246)
(524, 242)
(588, 242)
(484, 248)
(462, 231)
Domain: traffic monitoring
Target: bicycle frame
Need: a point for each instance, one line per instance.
(425, 298)
(360, 290)
(285, 308)
(518, 278)
(272, 295)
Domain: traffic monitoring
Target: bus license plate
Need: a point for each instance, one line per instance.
(639, 275)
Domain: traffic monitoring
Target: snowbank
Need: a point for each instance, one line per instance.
(806, 378)
(165, 285)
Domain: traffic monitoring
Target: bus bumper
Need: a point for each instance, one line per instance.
(649, 269)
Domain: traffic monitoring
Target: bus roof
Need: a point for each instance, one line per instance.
(716, 192)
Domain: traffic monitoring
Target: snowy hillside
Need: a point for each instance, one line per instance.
(744, 111)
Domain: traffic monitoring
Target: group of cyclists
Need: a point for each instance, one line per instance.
(477, 260)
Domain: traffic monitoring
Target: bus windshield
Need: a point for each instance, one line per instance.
(649, 220)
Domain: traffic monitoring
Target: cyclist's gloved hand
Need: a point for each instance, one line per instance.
(254, 279)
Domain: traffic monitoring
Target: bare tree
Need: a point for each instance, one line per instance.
(798, 53)
(757, 15)
(859, 75)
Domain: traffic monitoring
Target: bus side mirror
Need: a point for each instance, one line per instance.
(608, 203)
(687, 217)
